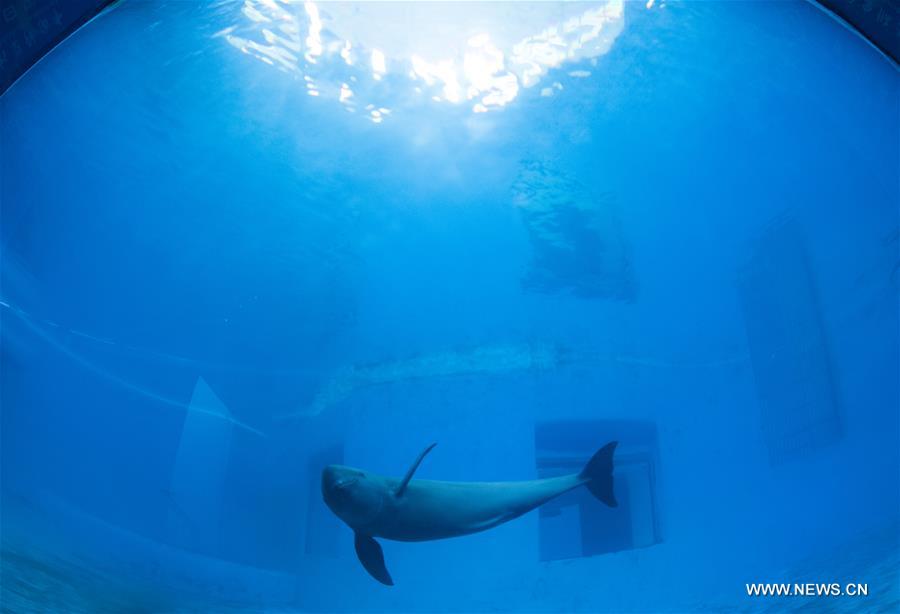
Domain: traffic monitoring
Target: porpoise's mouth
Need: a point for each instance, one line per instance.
(344, 483)
(334, 481)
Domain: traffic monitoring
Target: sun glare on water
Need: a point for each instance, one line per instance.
(477, 54)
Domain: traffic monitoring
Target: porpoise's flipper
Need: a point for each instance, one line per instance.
(597, 474)
(372, 558)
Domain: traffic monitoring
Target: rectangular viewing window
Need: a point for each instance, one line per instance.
(576, 524)
(788, 346)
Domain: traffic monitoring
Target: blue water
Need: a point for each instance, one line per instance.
(243, 241)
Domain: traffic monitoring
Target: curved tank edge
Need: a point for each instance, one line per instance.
(31, 30)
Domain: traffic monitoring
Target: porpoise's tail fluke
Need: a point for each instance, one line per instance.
(597, 474)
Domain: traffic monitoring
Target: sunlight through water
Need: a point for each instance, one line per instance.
(371, 56)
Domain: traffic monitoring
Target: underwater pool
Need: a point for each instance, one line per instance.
(246, 240)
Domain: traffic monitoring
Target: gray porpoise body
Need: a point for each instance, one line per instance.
(404, 509)
(430, 509)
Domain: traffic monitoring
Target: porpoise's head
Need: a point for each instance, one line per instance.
(353, 495)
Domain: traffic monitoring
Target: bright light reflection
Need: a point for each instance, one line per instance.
(379, 64)
(486, 68)
(314, 39)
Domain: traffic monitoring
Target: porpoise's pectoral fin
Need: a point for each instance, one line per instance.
(412, 470)
(598, 474)
(372, 558)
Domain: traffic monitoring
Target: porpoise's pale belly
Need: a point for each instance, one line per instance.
(437, 510)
